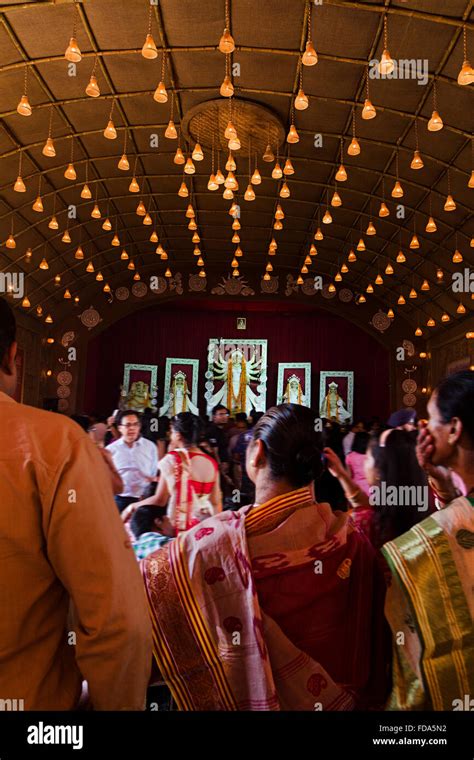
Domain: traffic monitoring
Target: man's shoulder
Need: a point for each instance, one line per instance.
(51, 422)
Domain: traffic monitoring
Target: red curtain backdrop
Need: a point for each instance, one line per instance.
(151, 335)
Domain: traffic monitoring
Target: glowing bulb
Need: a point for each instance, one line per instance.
(147, 219)
(379, 280)
(386, 65)
(435, 123)
(249, 194)
(413, 293)
(66, 238)
(309, 57)
(418, 332)
(352, 257)
(110, 132)
(49, 149)
(318, 235)
(417, 161)
(79, 254)
(38, 205)
(115, 241)
(179, 156)
(361, 245)
(24, 107)
(212, 184)
(268, 156)
(466, 74)
(457, 257)
(183, 191)
(73, 52)
(134, 187)
(449, 205)
(390, 314)
(197, 153)
(123, 163)
(383, 210)
(431, 225)
(95, 213)
(285, 191)
(160, 94)
(288, 168)
(336, 199)
(368, 111)
(301, 101)
(153, 237)
(92, 88)
(369, 288)
(70, 172)
(220, 179)
(10, 243)
(354, 147)
(461, 309)
(256, 178)
(53, 223)
(414, 242)
(226, 42)
(327, 218)
(425, 285)
(107, 224)
(277, 171)
(85, 192)
(397, 191)
(401, 258)
(149, 49)
(44, 264)
(170, 131)
(292, 136)
(227, 88)
(389, 269)
(341, 174)
(401, 301)
(189, 167)
(141, 210)
(370, 229)
(234, 143)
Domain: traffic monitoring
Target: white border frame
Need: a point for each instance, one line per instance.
(190, 362)
(213, 346)
(153, 368)
(350, 388)
(306, 366)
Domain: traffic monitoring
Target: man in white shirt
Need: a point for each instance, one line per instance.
(135, 458)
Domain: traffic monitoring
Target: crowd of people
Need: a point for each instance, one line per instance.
(246, 563)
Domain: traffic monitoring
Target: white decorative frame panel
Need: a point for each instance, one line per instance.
(299, 368)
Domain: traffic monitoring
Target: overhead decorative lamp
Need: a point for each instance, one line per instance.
(124, 255)
(436, 122)
(192, 225)
(425, 285)
(449, 204)
(277, 172)
(368, 110)
(309, 57)
(66, 238)
(383, 210)
(149, 49)
(284, 191)
(200, 261)
(461, 309)
(344, 268)
(99, 277)
(235, 238)
(107, 224)
(110, 132)
(369, 288)
(141, 209)
(354, 147)
(160, 94)
(249, 194)
(233, 209)
(268, 156)
(401, 300)
(19, 186)
(318, 235)
(73, 53)
(212, 184)
(279, 213)
(390, 314)
(439, 274)
(179, 156)
(197, 154)
(418, 332)
(413, 293)
(300, 281)
(11, 242)
(44, 264)
(231, 182)
(226, 42)
(361, 245)
(106, 288)
(445, 317)
(337, 277)
(370, 229)
(362, 299)
(28, 255)
(292, 136)
(238, 251)
(154, 237)
(39, 310)
(90, 267)
(341, 174)
(389, 269)
(327, 218)
(230, 166)
(431, 225)
(70, 172)
(313, 251)
(308, 261)
(147, 220)
(234, 143)
(171, 132)
(288, 168)
(414, 242)
(277, 225)
(457, 257)
(195, 238)
(24, 107)
(431, 322)
(26, 303)
(386, 64)
(49, 320)
(48, 148)
(401, 258)
(227, 88)
(183, 191)
(131, 265)
(92, 88)
(53, 223)
(301, 100)
(115, 241)
(190, 213)
(228, 194)
(466, 74)
(336, 199)
(134, 187)
(304, 270)
(417, 161)
(379, 279)
(189, 167)
(86, 192)
(38, 204)
(79, 253)
(352, 256)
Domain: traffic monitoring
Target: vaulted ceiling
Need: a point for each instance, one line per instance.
(270, 37)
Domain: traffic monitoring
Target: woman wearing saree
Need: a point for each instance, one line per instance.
(430, 603)
(277, 606)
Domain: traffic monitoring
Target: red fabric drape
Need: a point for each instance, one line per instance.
(151, 335)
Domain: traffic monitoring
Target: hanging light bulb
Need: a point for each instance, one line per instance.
(149, 49)
(390, 314)
(115, 241)
(141, 210)
(397, 191)
(414, 242)
(418, 332)
(79, 253)
(234, 143)
(436, 122)
(197, 153)
(238, 251)
(337, 278)
(195, 238)
(48, 148)
(123, 163)
(308, 261)
(461, 309)
(10, 242)
(327, 218)
(370, 229)
(449, 205)
(230, 166)
(425, 285)
(300, 281)
(153, 237)
(304, 269)
(24, 107)
(226, 42)
(170, 131)
(352, 257)
(90, 267)
(417, 161)
(227, 88)
(107, 224)
(92, 88)
(301, 100)
(131, 266)
(431, 322)
(168, 273)
(292, 136)
(466, 74)
(66, 238)
(379, 279)
(190, 214)
(73, 53)
(249, 194)
(389, 269)
(457, 257)
(361, 245)
(386, 65)
(284, 191)
(99, 277)
(189, 167)
(95, 213)
(401, 301)
(268, 156)
(212, 184)
(160, 94)
(313, 251)
(44, 264)
(383, 210)
(256, 178)
(439, 274)
(279, 213)
(147, 219)
(220, 179)
(354, 147)
(233, 209)
(413, 293)
(369, 288)
(134, 187)
(230, 131)
(26, 302)
(85, 192)
(124, 255)
(309, 57)
(368, 110)
(228, 194)
(110, 132)
(53, 223)
(192, 225)
(266, 276)
(277, 171)
(231, 182)
(235, 238)
(288, 169)
(38, 205)
(70, 172)
(318, 235)
(445, 317)
(278, 225)
(401, 258)
(431, 225)
(336, 199)
(183, 191)
(179, 156)
(341, 174)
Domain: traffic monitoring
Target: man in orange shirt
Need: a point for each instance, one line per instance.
(63, 549)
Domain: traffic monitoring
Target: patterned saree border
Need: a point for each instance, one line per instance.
(417, 554)
(196, 620)
(259, 515)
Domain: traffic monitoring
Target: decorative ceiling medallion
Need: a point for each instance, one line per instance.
(139, 289)
(326, 293)
(233, 286)
(64, 377)
(68, 338)
(346, 295)
(269, 286)
(409, 399)
(251, 120)
(409, 347)
(409, 386)
(63, 405)
(63, 391)
(380, 321)
(90, 318)
(121, 294)
(160, 286)
(197, 284)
